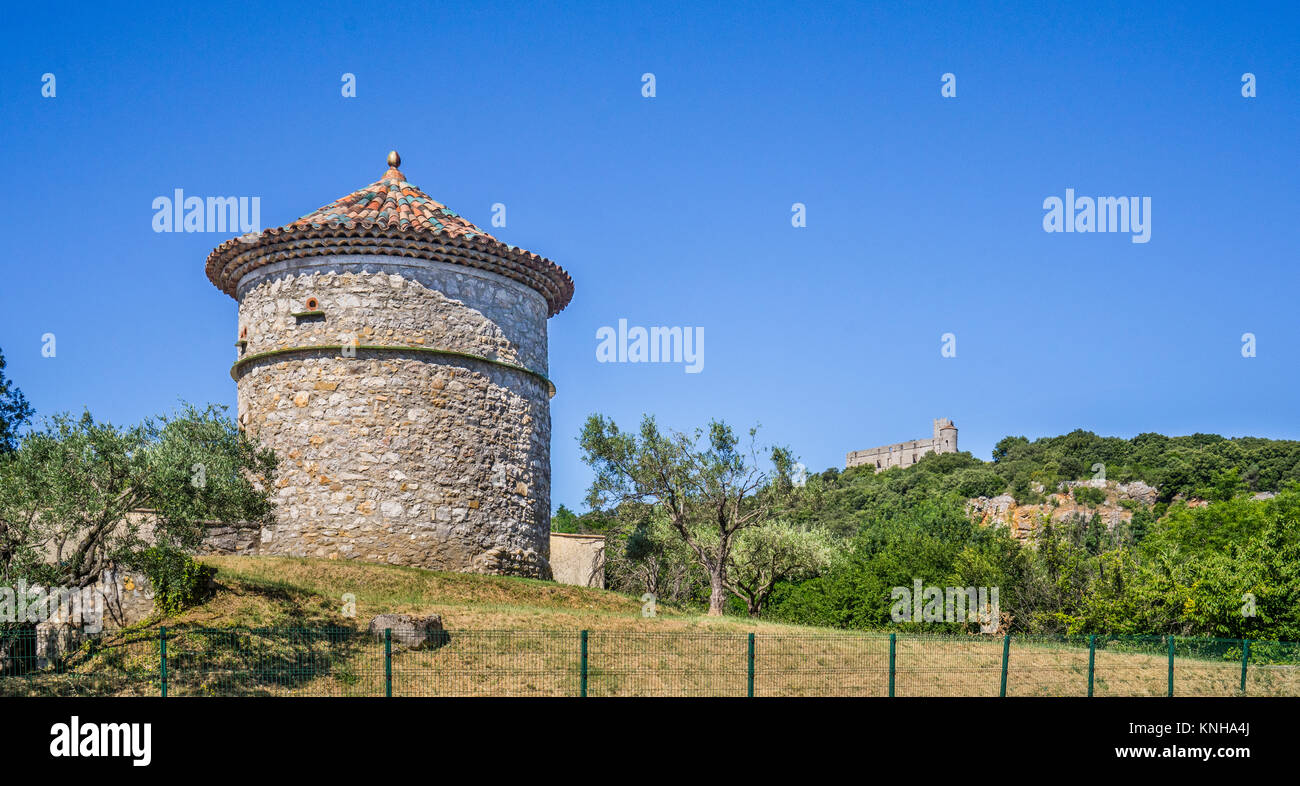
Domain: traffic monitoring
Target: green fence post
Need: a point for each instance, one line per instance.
(751, 665)
(1092, 661)
(893, 640)
(1245, 658)
(388, 662)
(1006, 655)
(162, 654)
(1171, 665)
(582, 673)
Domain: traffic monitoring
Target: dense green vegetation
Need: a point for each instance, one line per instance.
(1230, 568)
(1188, 466)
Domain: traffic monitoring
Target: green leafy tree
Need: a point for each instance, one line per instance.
(1087, 495)
(66, 492)
(709, 486)
(931, 540)
(979, 482)
(15, 412)
(644, 554)
(781, 551)
(564, 520)
(1225, 485)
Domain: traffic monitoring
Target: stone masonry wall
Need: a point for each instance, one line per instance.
(905, 454)
(902, 454)
(392, 300)
(409, 458)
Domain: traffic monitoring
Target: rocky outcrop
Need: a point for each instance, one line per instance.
(1062, 506)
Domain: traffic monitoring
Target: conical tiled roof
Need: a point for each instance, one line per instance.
(389, 217)
(394, 203)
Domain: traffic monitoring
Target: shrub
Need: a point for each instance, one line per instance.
(979, 482)
(178, 580)
(1088, 495)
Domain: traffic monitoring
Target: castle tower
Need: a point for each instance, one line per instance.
(394, 356)
(945, 436)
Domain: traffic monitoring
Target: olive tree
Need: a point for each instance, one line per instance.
(780, 551)
(709, 487)
(67, 490)
(643, 554)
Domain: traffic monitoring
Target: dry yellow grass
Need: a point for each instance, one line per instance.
(520, 637)
(278, 591)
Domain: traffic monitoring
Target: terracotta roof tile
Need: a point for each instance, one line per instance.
(392, 202)
(389, 216)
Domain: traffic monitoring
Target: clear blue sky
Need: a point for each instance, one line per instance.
(924, 214)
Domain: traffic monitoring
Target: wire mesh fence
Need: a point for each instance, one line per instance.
(349, 662)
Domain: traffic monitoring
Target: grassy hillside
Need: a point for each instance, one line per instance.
(288, 591)
(518, 637)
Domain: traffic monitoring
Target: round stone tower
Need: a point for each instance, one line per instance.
(394, 356)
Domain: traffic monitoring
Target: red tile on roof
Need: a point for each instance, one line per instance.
(393, 202)
(389, 216)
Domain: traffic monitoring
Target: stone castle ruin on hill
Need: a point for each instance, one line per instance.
(394, 356)
(905, 454)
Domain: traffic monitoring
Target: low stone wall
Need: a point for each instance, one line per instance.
(578, 559)
(240, 538)
(59, 618)
(127, 597)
